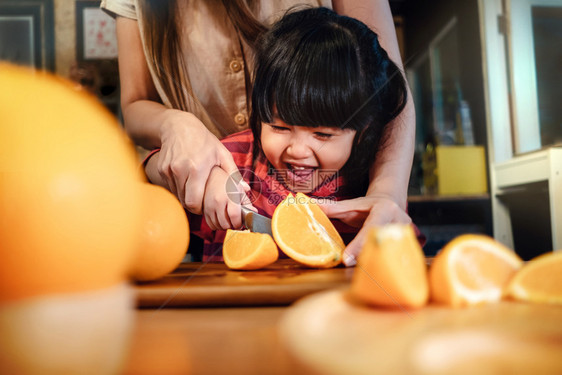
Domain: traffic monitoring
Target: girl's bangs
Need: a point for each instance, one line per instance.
(317, 84)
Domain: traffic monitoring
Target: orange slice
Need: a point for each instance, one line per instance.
(244, 250)
(391, 269)
(472, 269)
(540, 280)
(304, 232)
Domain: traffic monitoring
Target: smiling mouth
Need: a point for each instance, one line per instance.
(299, 174)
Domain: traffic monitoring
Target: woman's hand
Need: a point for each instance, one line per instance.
(188, 154)
(372, 210)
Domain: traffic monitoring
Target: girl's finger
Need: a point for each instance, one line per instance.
(235, 215)
(222, 218)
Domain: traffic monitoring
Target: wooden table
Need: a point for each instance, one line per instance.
(210, 341)
(188, 331)
(207, 319)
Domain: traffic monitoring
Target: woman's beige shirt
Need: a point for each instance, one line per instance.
(218, 62)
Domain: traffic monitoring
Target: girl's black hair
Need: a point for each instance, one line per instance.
(318, 68)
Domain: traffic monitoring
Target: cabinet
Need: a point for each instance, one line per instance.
(524, 133)
(528, 202)
(446, 86)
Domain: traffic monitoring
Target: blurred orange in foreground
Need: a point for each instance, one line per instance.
(391, 269)
(69, 191)
(539, 280)
(472, 269)
(244, 250)
(165, 234)
(70, 211)
(304, 232)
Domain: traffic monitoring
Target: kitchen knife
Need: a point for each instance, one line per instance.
(256, 222)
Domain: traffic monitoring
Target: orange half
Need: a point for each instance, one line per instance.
(539, 280)
(304, 232)
(472, 269)
(245, 250)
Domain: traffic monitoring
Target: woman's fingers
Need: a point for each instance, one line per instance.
(226, 162)
(194, 189)
(383, 211)
(165, 172)
(353, 249)
(351, 211)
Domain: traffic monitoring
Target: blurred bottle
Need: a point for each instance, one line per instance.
(429, 166)
(466, 123)
(464, 134)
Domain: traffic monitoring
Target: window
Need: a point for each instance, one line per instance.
(534, 36)
(522, 42)
(435, 81)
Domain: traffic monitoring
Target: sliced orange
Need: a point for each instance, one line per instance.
(391, 269)
(245, 250)
(304, 232)
(539, 280)
(472, 269)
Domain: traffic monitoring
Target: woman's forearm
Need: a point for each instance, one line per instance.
(143, 113)
(146, 120)
(390, 174)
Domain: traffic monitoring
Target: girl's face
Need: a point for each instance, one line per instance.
(304, 157)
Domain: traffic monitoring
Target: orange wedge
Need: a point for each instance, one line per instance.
(539, 280)
(391, 269)
(472, 269)
(245, 250)
(304, 232)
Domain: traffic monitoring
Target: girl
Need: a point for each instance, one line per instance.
(185, 68)
(324, 91)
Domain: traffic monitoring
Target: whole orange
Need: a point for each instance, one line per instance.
(165, 234)
(69, 189)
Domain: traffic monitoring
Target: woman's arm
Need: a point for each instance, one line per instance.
(391, 172)
(387, 194)
(142, 111)
(188, 149)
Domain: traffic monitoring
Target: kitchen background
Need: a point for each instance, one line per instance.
(485, 79)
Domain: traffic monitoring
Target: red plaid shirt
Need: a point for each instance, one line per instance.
(266, 193)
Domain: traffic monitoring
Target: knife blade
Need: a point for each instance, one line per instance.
(256, 222)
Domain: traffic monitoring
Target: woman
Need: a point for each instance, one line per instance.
(184, 69)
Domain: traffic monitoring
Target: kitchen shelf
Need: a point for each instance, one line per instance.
(443, 217)
(444, 198)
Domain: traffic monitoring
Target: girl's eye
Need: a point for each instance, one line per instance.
(279, 128)
(323, 135)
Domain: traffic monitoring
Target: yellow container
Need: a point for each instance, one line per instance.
(461, 170)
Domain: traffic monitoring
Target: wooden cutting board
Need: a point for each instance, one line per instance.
(335, 335)
(214, 284)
